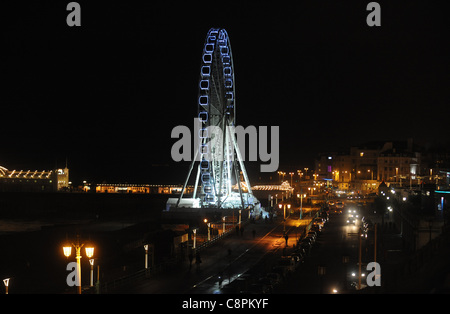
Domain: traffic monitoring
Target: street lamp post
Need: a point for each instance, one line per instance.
(209, 227)
(284, 213)
(209, 231)
(301, 202)
(91, 262)
(195, 237)
(6, 282)
(146, 255)
(67, 249)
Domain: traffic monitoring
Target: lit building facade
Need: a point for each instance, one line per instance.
(362, 167)
(34, 180)
(126, 188)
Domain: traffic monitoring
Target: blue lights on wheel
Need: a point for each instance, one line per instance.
(216, 97)
(203, 116)
(203, 100)
(204, 85)
(207, 58)
(206, 70)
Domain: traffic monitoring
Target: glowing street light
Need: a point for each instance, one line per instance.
(67, 249)
(89, 254)
(284, 208)
(89, 251)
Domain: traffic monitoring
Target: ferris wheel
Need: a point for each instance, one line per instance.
(218, 153)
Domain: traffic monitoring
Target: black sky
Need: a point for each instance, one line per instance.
(106, 95)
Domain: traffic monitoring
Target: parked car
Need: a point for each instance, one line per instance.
(288, 262)
(313, 234)
(308, 241)
(306, 245)
(311, 238)
(319, 221)
(299, 257)
(324, 215)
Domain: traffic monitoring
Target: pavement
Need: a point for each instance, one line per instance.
(227, 259)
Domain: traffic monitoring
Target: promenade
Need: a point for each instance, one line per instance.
(225, 260)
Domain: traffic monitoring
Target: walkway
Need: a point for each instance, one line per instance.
(228, 258)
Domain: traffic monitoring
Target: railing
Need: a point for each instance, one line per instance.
(216, 238)
(128, 280)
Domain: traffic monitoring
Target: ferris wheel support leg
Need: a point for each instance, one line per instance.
(221, 160)
(187, 178)
(244, 172)
(236, 173)
(196, 182)
(229, 161)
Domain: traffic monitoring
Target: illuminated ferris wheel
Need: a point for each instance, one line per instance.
(219, 159)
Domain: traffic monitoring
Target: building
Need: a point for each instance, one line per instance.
(34, 181)
(362, 167)
(62, 176)
(127, 188)
(398, 163)
(324, 166)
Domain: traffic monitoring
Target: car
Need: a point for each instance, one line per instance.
(298, 259)
(351, 221)
(337, 211)
(306, 245)
(288, 262)
(299, 255)
(319, 221)
(311, 239)
(316, 228)
(324, 215)
(313, 234)
(339, 205)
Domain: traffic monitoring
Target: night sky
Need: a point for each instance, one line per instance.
(106, 95)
